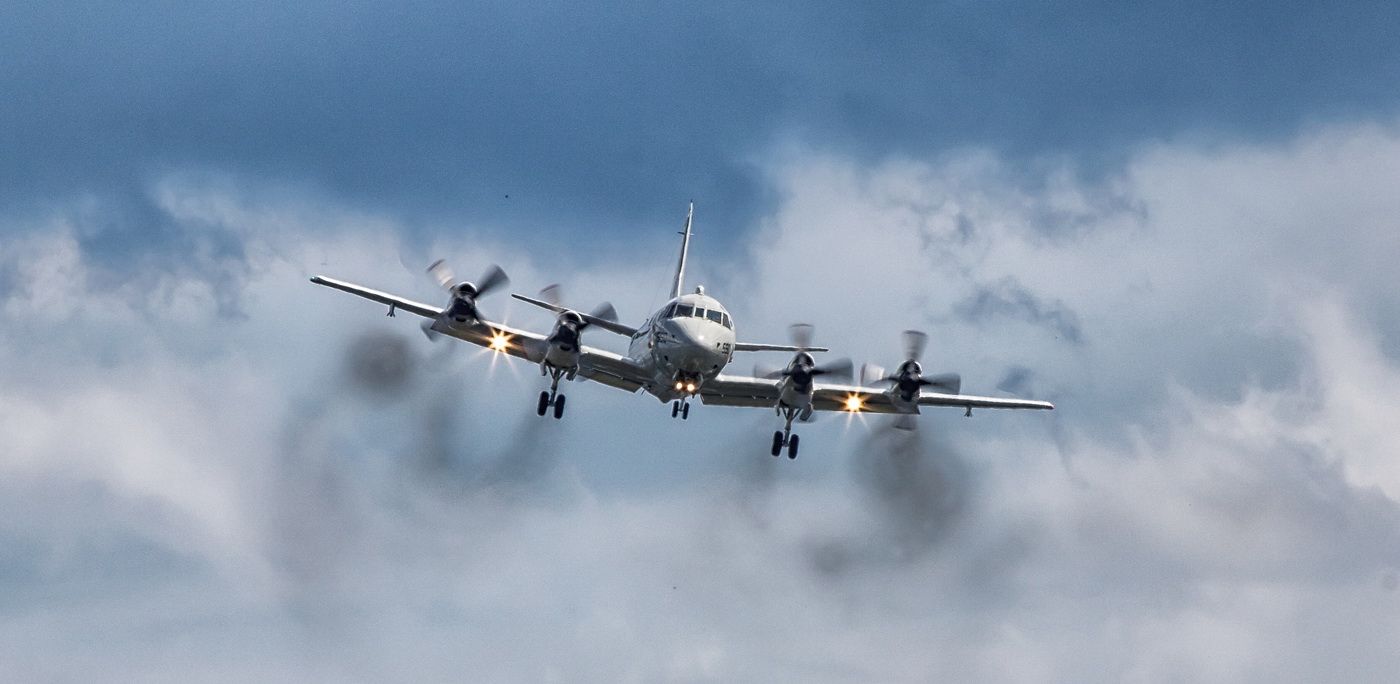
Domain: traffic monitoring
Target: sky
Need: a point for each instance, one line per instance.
(1177, 221)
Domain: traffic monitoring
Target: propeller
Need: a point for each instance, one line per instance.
(492, 279)
(910, 375)
(914, 343)
(801, 335)
(554, 294)
(803, 367)
(465, 293)
(871, 374)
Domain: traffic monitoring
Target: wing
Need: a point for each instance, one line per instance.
(837, 398)
(598, 365)
(381, 297)
(738, 390)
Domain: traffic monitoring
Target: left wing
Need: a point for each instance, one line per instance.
(733, 390)
(738, 390)
(839, 398)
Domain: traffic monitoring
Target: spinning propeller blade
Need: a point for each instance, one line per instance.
(494, 278)
(801, 335)
(947, 383)
(914, 342)
(840, 368)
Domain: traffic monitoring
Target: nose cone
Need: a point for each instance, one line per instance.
(690, 346)
(690, 332)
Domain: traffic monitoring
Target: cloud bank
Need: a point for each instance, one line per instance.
(210, 469)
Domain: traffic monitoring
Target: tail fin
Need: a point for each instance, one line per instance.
(685, 247)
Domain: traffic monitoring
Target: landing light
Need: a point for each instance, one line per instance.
(680, 385)
(853, 403)
(690, 387)
(499, 341)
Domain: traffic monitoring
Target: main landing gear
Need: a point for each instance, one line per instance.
(784, 437)
(552, 397)
(680, 407)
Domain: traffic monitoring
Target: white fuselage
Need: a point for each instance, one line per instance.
(686, 342)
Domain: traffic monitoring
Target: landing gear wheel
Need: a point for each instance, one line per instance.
(777, 443)
(559, 407)
(792, 447)
(544, 403)
(685, 411)
(675, 408)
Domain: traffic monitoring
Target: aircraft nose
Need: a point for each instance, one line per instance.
(689, 334)
(691, 345)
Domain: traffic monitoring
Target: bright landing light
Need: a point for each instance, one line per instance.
(853, 403)
(499, 341)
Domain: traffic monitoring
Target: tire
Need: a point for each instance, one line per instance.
(792, 447)
(675, 408)
(544, 403)
(559, 407)
(685, 412)
(777, 443)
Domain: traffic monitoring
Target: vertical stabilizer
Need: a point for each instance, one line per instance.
(685, 247)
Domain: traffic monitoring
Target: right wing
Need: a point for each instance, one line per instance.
(598, 365)
(382, 297)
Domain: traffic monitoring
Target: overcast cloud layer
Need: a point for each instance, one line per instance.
(1179, 226)
(189, 493)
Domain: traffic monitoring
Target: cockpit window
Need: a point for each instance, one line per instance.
(727, 323)
(715, 316)
(683, 310)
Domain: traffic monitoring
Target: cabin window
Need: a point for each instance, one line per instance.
(715, 316)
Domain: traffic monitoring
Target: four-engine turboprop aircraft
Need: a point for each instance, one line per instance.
(679, 353)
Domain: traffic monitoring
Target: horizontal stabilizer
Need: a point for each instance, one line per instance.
(751, 347)
(610, 326)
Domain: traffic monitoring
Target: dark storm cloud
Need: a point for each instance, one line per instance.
(593, 117)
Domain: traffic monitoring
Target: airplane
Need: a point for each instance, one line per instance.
(680, 353)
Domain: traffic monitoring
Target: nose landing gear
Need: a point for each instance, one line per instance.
(680, 407)
(552, 397)
(784, 437)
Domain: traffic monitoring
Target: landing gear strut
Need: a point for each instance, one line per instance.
(680, 408)
(552, 397)
(784, 437)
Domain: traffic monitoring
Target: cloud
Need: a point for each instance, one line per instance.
(500, 117)
(312, 490)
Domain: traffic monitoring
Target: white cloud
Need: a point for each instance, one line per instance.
(200, 495)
